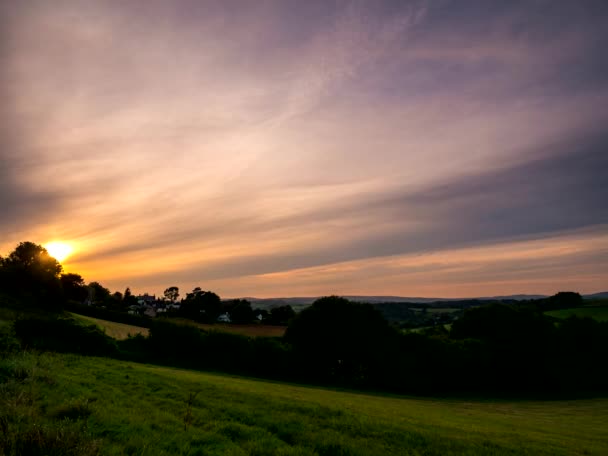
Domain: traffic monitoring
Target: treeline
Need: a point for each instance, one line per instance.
(491, 349)
(30, 275)
(496, 348)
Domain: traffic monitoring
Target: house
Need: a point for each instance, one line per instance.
(224, 318)
(146, 299)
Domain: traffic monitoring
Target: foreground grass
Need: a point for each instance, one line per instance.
(119, 331)
(101, 406)
(600, 313)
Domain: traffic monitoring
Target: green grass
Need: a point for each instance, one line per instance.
(250, 330)
(114, 407)
(437, 310)
(600, 313)
(421, 329)
(118, 331)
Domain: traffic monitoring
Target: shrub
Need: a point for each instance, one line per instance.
(63, 335)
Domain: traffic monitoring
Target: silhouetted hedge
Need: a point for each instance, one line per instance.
(110, 315)
(63, 335)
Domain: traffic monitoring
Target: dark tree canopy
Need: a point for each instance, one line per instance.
(171, 293)
(281, 315)
(563, 300)
(100, 295)
(201, 306)
(343, 338)
(74, 288)
(128, 299)
(241, 312)
(35, 259)
(31, 273)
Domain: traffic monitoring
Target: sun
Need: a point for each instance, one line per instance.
(59, 250)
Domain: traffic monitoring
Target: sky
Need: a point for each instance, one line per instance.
(287, 148)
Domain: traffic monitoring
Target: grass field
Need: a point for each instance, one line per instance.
(252, 330)
(437, 310)
(118, 407)
(600, 313)
(118, 331)
(121, 331)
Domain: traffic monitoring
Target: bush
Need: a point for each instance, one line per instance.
(63, 335)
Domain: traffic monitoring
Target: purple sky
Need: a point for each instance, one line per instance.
(437, 148)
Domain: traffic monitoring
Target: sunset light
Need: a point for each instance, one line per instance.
(284, 148)
(59, 250)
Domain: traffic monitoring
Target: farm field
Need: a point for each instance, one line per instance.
(115, 407)
(119, 331)
(600, 313)
(252, 330)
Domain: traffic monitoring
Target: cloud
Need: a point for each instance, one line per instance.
(197, 139)
(561, 192)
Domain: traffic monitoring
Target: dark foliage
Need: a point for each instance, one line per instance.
(561, 300)
(280, 315)
(74, 288)
(33, 276)
(341, 340)
(109, 314)
(63, 335)
(203, 306)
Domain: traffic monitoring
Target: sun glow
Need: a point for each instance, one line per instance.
(59, 250)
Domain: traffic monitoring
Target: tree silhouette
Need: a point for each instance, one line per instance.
(128, 298)
(201, 305)
(30, 272)
(171, 293)
(99, 294)
(73, 286)
(340, 339)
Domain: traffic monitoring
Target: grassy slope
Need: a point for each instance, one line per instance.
(118, 331)
(140, 409)
(600, 313)
(251, 330)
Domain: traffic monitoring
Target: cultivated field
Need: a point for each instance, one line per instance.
(252, 330)
(122, 407)
(121, 331)
(118, 331)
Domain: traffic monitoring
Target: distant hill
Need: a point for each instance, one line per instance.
(600, 295)
(301, 302)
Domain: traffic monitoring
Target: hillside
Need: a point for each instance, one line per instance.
(88, 406)
(599, 313)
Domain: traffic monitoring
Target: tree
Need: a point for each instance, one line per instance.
(98, 293)
(201, 306)
(74, 288)
(32, 274)
(241, 313)
(281, 315)
(128, 298)
(35, 259)
(171, 294)
(562, 300)
(339, 339)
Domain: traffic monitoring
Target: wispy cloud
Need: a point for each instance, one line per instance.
(218, 141)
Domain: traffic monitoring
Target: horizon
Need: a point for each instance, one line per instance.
(423, 148)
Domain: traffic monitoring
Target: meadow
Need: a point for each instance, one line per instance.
(118, 331)
(69, 404)
(250, 330)
(597, 312)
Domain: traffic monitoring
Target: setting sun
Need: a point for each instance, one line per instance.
(59, 250)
